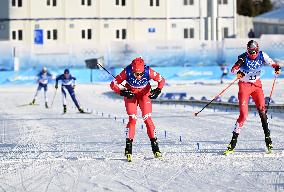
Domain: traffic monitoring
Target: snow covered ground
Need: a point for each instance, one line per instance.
(43, 150)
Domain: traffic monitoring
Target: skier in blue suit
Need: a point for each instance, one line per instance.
(43, 79)
(68, 84)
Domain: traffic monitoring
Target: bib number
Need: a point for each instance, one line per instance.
(252, 77)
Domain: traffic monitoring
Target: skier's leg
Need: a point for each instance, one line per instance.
(73, 96)
(131, 109)
(243, 96)
(258, 98)
(45, 96)
(145, 105)
(64, 99)
(35, 96)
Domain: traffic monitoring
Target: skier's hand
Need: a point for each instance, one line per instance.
(155, 93)
(277, 70)
(235, 68)
(240, 74)
(56, 86)
(73, 86)
(126, 93)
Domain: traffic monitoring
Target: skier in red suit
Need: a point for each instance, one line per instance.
(248, 70)
(138, 92)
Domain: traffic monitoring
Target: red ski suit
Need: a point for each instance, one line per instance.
(250, 84)
(141, 98)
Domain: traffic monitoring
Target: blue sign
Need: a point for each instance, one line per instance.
(38, 36)
(152, 30)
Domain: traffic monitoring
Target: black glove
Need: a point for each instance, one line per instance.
(240, 74)
(56, 86)
(277, 70)
(127, 93)
(155, 93)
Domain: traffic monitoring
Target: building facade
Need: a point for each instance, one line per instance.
(48, 22)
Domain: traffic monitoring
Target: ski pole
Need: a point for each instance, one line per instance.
(272, 89)
(216, 97)
(53, 98)
(108, 72)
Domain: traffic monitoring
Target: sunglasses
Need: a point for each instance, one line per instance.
(252, 52)
(138, 74)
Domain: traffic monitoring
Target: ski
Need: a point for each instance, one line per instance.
(86, 112)
(27, 104)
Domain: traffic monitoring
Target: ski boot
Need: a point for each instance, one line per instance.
(33, 102)
(81, 110)
(128, 149)
(232, 144)
(46, 106)
(64, 108)
(155, 148)
(268, 143)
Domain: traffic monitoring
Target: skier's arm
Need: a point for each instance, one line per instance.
(238, 64)
(273, 64)
(157, 77)
(57, 79)
(117, 81)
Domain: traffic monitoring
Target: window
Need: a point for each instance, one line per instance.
(89, 2)
(117, 34)
(174, 25)
(86, 34)
(185, 33)
(37, 26)
(106, 25)
(54, 34)
(225, 32)
(83, 33)
(188, 2)
(157, 3)
(89, 33)
(222, 2)
(123, 2)
(14, 3)
(188, 33)
(20, 35)
(54, 2)
(123, 33)
(48, 34)
(191, 33)
(152, 3)
(14, 35)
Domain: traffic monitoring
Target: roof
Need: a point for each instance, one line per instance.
(275, 16)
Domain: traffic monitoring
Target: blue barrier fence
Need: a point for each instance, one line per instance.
(170, 73)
